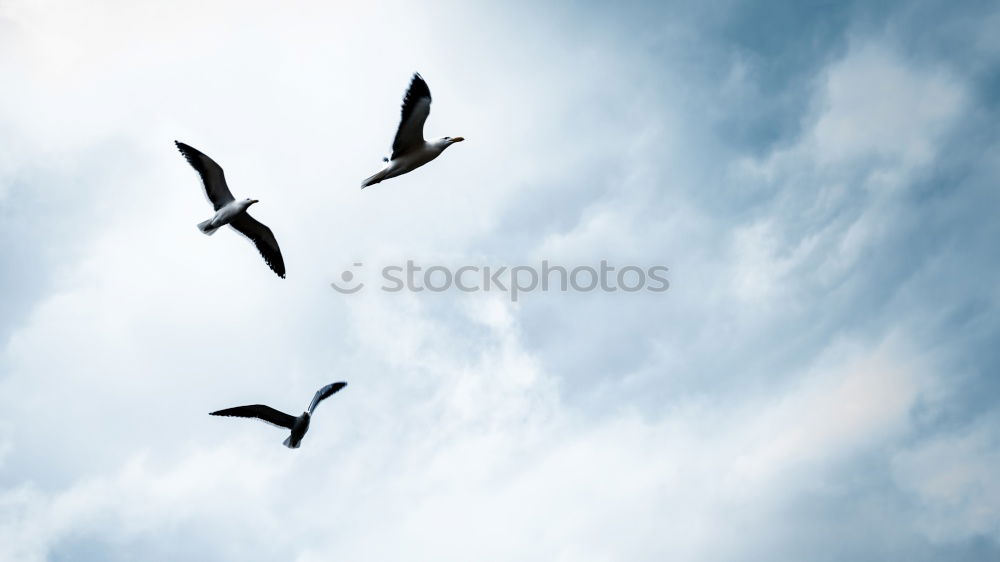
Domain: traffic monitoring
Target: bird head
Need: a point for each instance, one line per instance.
(448, 141)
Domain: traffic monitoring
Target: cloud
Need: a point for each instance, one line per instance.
(815, 384)
(880, 108)
(951, 478)
(502, 466)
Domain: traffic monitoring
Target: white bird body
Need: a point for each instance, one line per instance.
(415, 158)
(225, 215)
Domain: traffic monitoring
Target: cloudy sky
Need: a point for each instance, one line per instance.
(820, 382)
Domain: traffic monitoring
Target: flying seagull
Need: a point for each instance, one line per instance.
(409, 149)
(299, 425)
(230, 211)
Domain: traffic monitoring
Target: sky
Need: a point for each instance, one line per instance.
(820, 381)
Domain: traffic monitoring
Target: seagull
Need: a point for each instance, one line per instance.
(230, 211)
(299, 425)
(409, 149)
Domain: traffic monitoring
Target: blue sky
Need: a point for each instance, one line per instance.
(820, 381)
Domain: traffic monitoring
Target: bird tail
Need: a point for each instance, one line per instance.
(288, 443)
(207, 228)
(375, 178)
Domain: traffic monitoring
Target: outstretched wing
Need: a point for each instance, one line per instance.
(211, 175)
(263, 238)
(324, 393)
(261, 412)
(416, 108)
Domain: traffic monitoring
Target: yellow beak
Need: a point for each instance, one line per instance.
(458, 139)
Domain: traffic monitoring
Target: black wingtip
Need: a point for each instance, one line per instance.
(418, 87)
(186, 150)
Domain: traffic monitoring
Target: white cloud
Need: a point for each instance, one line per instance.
(878, 106)
(706, 421)
(445, 453)
(953, 480)
(877, 125)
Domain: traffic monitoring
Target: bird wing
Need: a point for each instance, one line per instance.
(211, 175)
(263, 238)
(261, 412)
(324, 393)
(416, 108)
